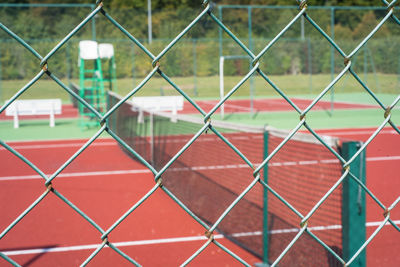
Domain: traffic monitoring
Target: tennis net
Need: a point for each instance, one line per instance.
(209, 176)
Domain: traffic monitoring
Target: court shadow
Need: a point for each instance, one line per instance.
(35, 256)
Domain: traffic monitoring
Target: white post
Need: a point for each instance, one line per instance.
(141, 116)
(221, 83)
(52, 122)
(174, 118)
(16, 123)
(150, 28)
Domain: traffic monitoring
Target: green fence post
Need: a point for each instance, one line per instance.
(309, 63)
(133, 66)
(249, 9)
(265, 207)
(93, 7)
(1, 79)
(194, 43)
(398, 72)
(353, 206)
(220, 32)
(332, 57)
(68, 62)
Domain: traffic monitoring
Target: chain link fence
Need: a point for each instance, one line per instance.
(348, 174)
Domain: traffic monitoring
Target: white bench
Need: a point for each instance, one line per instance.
(158, 103)
(34, 107)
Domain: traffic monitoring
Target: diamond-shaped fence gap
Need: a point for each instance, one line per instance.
(292, 59)
(131, 60)
(215, 177)
(326, 222)
(285, 170)
(244, 223)
(305, 65)
(61, 217)
(159, 226)
(234, 72)
(283, 225)
(96, 156)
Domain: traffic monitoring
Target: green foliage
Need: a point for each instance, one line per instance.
(198, 52)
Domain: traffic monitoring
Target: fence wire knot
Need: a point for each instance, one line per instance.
(303, 5)
(386, 213)
(387, 113)
(209, 235)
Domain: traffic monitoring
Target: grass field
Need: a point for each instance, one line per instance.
(208, 87)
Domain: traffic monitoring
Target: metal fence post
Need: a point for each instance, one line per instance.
(353, 206)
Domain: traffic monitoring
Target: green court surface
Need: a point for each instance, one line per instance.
(322, 119)
(40, 130)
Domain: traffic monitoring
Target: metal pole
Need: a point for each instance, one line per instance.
(194, 43)
(133, 66)
(221, 83)
(1, 77)
(251, 48)
(150, 29)
(220, 32)
(93, 24)
(332, 57)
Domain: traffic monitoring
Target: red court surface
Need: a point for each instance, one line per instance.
(232, 105)
(159, 232)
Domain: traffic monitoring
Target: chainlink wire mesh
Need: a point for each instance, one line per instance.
(156, 61)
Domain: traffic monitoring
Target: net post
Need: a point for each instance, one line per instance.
(265, 201)
(353, 206)
(152, 161)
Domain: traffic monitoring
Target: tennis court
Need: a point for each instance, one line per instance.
(285, 152)
(105, 190)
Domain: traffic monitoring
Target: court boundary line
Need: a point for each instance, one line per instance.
(196, 168)
(109, 141)
(176, 240)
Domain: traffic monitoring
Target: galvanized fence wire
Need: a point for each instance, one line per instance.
(45, 69)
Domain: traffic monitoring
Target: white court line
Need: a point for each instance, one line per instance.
(112, 143)
(176, 240)
(196, 168)
(45, 146)
(74, 174)
(356, 132)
